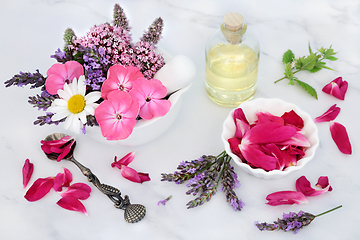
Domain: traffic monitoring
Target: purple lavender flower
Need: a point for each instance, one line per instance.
(203, 176)
(291, 221)
(163, 202)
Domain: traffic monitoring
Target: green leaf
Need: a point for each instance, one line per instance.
(310, 50)
(308, 63)
(288, 73)
(288, 57)
(309, 89)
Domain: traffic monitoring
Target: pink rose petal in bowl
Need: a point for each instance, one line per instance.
(275, 107)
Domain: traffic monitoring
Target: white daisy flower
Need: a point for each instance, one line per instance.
(74, 105)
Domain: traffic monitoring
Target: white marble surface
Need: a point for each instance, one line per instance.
(32, 30)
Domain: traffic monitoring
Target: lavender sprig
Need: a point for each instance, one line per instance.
(26, 78)
(46, 119)
(42, 102)
(203, 176)
(154, 32)
(291, 221)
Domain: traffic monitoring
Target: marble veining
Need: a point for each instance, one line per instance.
(31, 32)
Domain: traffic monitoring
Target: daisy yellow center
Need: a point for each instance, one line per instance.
(76, 104)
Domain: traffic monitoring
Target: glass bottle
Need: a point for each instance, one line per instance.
(232, 59)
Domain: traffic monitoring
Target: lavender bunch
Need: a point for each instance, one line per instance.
(203, 176)
(154, 32)
(26, 78)
(291, 221)
(43, 101)
(46, 119)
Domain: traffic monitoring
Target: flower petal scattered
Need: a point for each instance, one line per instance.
(72, 204)
(39, 189)
(62, 180)
(78, 190)
(27, 172)
(337, 88)
(340, 137)
(304, 186)
(286, 197)
(329, 115)
(128, 158)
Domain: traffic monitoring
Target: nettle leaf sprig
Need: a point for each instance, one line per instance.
(314, 62)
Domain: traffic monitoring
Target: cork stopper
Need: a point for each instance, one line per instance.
(233, 21)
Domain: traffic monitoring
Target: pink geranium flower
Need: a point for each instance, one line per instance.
(337, 88)
(119, 78)
(59, 73)
(340, 137)
(127, 172)
(329, 115)
(117, 115)
(286, 197)
(27, 171)
(149, 93)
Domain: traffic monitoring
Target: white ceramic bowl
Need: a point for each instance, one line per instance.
(147, 130)
(276, 107)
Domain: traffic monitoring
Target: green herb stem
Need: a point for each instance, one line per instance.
(328, 211)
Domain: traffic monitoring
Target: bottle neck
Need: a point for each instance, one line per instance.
(233, 37)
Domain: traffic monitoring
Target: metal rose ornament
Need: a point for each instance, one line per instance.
(60, 146)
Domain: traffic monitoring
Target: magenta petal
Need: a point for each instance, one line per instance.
(270, 132)
(292, 118)
(128, 158)
(130, 174)
(323, 182)
(27, 171)
(258, 158)
(77, 190)
(72, 204)
(144, 177)
(62, 180)
(264, 117)
(340, 137)
(286, 197)
(329, 115)
(304, 186)
(337, 88)
(39, 189)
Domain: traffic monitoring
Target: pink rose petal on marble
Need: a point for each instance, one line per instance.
(286, 197)
(133, 175)
(340, 137)
(72, 204)
(329, 115)
(62, 180)
(128, 158)
(39, 189)
(77, 190)
(337, 88)
(27, 171)
(303, 185)
(323, 182)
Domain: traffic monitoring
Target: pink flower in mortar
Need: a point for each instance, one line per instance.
(119, 78)
(117, 115)
(59, 74)
(150, 94)
(337, 88)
